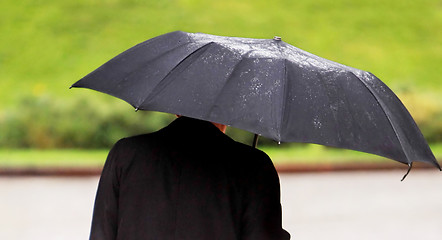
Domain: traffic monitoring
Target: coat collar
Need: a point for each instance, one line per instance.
(195, 128)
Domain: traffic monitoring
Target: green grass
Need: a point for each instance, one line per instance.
(315, 154)
(53, 158)
(69, 158)
(48, 45)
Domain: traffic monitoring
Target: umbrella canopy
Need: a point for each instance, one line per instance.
(267, 87)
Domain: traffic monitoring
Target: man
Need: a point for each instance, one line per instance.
(187, 181)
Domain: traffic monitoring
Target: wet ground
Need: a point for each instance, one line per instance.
(350, 205)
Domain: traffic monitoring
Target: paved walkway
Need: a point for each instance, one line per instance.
(350, 205)
(363, 205)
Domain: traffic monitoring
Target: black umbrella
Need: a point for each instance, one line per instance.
(267, 87)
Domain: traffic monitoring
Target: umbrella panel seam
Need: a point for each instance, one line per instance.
(382, 106)
(162, 84)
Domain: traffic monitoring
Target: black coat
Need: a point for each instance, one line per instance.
(187, 181)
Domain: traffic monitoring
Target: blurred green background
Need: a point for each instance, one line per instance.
(48, 45)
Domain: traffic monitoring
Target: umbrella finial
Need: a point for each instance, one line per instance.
(276, 38)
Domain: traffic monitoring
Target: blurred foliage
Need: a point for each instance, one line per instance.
(45, 123)
(426, 109)
(48, 45)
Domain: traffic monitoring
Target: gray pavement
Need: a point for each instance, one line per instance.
(350, 205)
(363, 205)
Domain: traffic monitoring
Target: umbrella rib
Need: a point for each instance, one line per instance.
(159, 56)
(382, 105)
(135, 70)
(151, 60)
(162, 84)
(284, 99)
(229, 78)
(143, 44)
(284, 95)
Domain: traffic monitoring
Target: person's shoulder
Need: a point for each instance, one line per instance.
(254, 163)
(126, 150)
(136, 140)
(250, 152)
(246, 148)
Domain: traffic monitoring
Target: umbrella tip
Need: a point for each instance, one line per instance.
(410, 165)
(276, 38)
